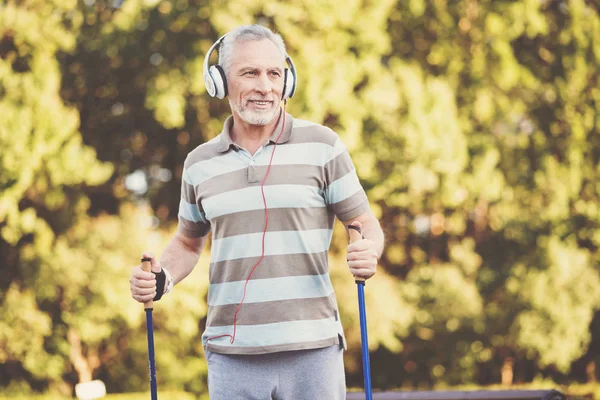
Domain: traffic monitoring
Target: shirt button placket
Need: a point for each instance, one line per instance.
(252, 176)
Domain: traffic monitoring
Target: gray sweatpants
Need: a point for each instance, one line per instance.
(316, 374)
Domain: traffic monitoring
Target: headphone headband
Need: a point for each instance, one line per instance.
(216, 82)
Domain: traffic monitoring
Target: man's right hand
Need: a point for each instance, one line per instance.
(142, 283)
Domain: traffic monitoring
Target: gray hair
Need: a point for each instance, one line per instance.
(244, 34)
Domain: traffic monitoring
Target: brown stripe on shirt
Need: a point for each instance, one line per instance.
(348, 209)
(204, 152)
(280, 219)
(269, 312)
(309, 175)
(192, 229)
(313, 134)
(187, 192)
(270, 267)
(338, 168)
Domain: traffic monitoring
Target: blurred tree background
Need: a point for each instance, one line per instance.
(474, 126)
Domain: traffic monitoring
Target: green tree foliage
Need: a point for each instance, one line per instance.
(473, 125)
(498, 188)
(44, 166)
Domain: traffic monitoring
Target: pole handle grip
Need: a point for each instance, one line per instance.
(146, 266)
(355, 235)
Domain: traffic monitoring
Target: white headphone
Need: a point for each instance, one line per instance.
(216, 83)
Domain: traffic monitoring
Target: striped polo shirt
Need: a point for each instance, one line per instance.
(290, 303)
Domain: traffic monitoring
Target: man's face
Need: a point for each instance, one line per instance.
(255, 81)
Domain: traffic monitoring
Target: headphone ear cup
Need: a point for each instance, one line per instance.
(210, 84)
(220, 83)
(289, 84)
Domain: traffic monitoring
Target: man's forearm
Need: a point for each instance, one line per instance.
(181, 256)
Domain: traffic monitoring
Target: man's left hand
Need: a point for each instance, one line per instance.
(362, 256)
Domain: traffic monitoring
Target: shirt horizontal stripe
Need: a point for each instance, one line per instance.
(192, 229)
(270, 267)
(352, 207)
(290, 242)
(343, 188)
(280, 219)
(273, 311)
(308, 175)
(215, 166)
(187, 192)
(338, 167)
(273, 289)
(312, 153)
(190, 212)
(274, 334)
(251, 198)
(314, 134)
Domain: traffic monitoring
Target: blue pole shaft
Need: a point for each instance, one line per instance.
(364, 339)
(153, 390)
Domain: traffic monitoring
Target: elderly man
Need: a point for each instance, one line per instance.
(268, 188)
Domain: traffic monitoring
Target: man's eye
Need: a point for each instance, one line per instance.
(250, 73)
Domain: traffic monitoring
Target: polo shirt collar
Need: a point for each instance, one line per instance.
(225, 141)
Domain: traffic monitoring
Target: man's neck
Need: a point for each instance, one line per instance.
(251, 137)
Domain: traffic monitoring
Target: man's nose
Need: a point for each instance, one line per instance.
(264, 85)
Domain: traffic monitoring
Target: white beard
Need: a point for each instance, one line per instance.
(253, 117)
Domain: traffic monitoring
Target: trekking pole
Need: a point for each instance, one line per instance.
(355, 235)
(146, 266)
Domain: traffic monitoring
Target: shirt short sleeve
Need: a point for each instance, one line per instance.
(344, 193)
(192, 221)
